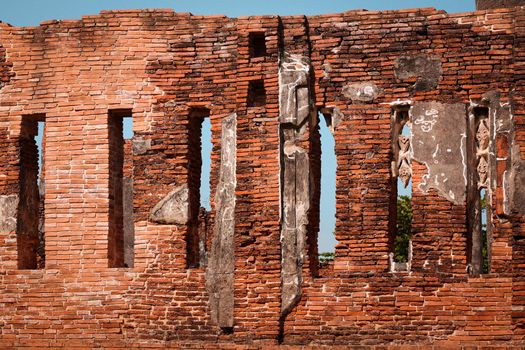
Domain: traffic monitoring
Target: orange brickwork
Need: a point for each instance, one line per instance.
(165, 69)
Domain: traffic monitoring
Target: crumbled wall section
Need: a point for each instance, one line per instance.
(262, 286)
(425, 69)
(6, 72)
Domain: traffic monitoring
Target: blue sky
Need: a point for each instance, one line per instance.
(32, 12)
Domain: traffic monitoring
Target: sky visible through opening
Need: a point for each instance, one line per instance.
(326, 238)
(127, 128)
(206, 148)
(32, 12)
(38, 139)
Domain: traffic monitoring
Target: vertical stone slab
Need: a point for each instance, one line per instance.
(295, 108)
(439, 142)
(221, 264)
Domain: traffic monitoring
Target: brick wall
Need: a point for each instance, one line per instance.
(163, 66)
(494, 4)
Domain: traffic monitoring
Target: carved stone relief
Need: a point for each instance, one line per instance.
(402, 149)
(404, 161)
(482, 152)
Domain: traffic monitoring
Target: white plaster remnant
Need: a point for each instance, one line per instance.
(294, 72)
(427, 120)
(400, 103)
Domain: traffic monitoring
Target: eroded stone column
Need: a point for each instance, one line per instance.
(221, 264)
(295, 108)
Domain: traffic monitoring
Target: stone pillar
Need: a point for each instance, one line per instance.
(295, 113)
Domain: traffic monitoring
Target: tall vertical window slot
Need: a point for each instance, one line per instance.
(326, 240)
(401, 194)
(30, 223)
(479, 209)
(199, 155)
(121, 233)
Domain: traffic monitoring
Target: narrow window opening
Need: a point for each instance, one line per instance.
(206, 148)
(484, 235)
(327, 222)
(199, 154)
(127, 192)
(257, 44)
(30, 223)
(127, 132)
(256, 93)
(401, 195)
(121, 223)
(41, 250)
(479, 210)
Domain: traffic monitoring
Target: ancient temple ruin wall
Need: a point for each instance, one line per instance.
(246, 272)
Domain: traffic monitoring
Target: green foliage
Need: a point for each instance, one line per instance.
(404, 229)
(483, 203)
(485, 250)
(326, 257)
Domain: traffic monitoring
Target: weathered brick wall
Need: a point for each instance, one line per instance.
(494, 4)
(258, 288)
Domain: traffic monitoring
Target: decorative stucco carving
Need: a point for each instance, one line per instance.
(482, 152)
(404, 165)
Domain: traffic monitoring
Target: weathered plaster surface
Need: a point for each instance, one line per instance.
(439, 142)
(296, 108)
(8, 211)
(141, 146)
(427, 69)
(294, 91)
(361, 92)
(172, 209)
(221, 265)
(516, 182)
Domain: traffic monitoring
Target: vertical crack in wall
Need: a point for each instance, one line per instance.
(295, 109)
(221, 265)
